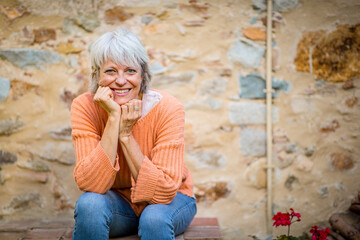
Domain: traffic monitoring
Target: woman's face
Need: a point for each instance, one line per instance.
(123, 81)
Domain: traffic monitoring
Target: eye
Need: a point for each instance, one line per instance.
(130, 70)
(109, 71)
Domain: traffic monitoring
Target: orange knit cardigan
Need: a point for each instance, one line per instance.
(160, 135)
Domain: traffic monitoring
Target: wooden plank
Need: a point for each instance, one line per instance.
(16, 226)
(202, 232)
(45, 234)
(204, 222)
(11, 235)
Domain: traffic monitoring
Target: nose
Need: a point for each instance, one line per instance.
(120, 79)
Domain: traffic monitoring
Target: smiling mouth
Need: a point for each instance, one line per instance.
(122, 91)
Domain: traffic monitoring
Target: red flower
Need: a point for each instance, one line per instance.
(319, 234)
(285, 219)
(282, 219)
(295, 214)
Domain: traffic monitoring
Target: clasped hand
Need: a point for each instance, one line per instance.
(129, 112)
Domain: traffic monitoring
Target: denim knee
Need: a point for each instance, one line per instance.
(155, 224)
(92, 208)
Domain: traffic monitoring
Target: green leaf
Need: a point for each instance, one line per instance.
(284, 237)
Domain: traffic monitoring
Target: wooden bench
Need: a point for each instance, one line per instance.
(200, 228)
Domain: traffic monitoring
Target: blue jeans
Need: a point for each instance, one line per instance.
(100, 216)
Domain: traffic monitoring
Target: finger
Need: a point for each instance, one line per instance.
(137, 108)
(130, 109)
(124, 111)
(99, 93)
(104, 94)
(133, 100)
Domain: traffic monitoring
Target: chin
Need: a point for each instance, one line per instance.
(122, 101)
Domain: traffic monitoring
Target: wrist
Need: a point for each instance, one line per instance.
(114, 116)
(125, 137)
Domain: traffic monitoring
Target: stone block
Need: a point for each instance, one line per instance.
(66, 48)
(63, 153)
(348, 85)
(259, 4)
(323, 191)
(69, 26)
(4, 88)
(35, 165)
(26, 176)
(157, 68)
(9, 126)
(21, 203)
(284, 160)
(170, 4)
(253, 142)
(88, 22)
(173, 79)
(156, 28)
(67, 96)
(146, 19)
(213, 87)
(208, 159)
(255, 174)
(304, 164)
(291, 182)
(329, 126)
(211, 191)
(246, 52)
(253, 86)
(309, 151)
(332, 56)
(351, 101)
(284, 5)
(278, 5)
(250, 113)
(340, 161)
(254, 33)
(139, 3)
(13, 12)
(44, 34)
(117, 15)
(61, 134)
(20, 88)
(204, 104)
(291, 147)
(30, 58)
(7, 158)
(348, 105)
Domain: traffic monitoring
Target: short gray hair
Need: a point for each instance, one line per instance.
(122, 47)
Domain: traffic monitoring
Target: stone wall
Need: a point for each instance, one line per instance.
(210, 55)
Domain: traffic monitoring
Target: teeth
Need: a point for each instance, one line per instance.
(122, 91)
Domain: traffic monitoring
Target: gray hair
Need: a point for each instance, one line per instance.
(122, 47)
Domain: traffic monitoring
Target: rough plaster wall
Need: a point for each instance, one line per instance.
(224, 133)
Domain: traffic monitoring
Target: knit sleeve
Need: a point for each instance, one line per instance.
(160, 175)
(93, 171)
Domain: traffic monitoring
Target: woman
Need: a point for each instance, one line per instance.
(129, 143)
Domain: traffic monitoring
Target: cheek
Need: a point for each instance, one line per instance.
(105, 81)
(136, 81)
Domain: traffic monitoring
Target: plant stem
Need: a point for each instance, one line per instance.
(288, 230)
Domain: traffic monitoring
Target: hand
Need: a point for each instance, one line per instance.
(130, 114)
(105, 98)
